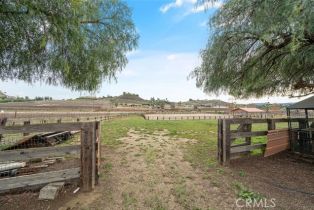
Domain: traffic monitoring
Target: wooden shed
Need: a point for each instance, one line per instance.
(302, 133)
(248, 112)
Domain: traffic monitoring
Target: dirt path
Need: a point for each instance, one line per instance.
(148, 171)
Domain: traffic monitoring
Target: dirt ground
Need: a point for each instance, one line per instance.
(149, 171)
(283, 177)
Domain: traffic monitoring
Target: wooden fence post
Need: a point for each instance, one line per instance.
(247, 128)
(26, 123)
(88, 157)
(271, 125)
(219, 143)
(226, 142)
(98, 150)
(3, 122)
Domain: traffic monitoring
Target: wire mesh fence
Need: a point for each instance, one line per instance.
(303, 141)
(28, 153)
(49, 153)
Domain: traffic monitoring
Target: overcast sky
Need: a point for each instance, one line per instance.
(172, 32)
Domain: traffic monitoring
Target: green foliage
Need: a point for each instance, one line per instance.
(128, 200)
(74, 43)
(242, 173)
(244, 193)
(159, 103)
(259, 47)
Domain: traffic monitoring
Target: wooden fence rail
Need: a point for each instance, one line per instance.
(60, 119)
(89, 150)
(226, 136)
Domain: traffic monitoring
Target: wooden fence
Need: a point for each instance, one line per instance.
(11, 121)
(227, 150)
(89, 151)
(198, 116)
(184, 116)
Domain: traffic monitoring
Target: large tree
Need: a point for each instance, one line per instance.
(74, 43)
(259, 47)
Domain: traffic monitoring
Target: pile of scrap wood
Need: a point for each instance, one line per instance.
(24, 168)
(42, 140)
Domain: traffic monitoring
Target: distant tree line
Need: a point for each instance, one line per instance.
(24, 99)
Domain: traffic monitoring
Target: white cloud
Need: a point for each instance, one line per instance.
(205, 6)
(171, 57)
(191, 6)
(176, 4)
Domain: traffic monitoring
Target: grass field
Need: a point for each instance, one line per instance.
(202, 154)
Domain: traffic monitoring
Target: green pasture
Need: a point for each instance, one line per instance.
(202, 154)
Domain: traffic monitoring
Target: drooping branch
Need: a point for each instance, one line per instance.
(303, 85)
(254, 51)
(25, 12)
(90, 21)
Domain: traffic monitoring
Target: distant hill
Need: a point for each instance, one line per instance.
(130, 96)
(209, 103)
(127, 97)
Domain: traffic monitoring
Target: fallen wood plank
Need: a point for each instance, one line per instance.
(57, 134)
(36, 181)
(247, 148)
(248, 134)
(41, 152)
(12, 165)
(31, 169)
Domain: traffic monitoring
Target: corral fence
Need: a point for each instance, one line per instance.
(32, 156)
(46, 118)
(198, 116)
(235, 137)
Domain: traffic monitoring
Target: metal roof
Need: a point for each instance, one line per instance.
(305, 104)
(250, 110)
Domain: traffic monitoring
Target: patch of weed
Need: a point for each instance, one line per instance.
(128, 199)
(150, 155)
(242, 173)
(107, 167)
(220, 170)
(246, 194)
(155, 204)
(182, 195)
